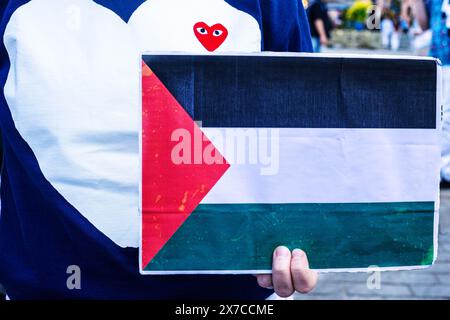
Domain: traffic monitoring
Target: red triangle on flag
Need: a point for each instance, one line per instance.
(174, 180)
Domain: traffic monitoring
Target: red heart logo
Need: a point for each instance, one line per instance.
(210, 37)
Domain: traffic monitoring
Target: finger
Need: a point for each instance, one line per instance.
(304, 279)
(265, 280)
(281, 272)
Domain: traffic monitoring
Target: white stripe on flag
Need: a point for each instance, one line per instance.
(334, 166)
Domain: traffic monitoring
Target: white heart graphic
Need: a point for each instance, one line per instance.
(73, 91)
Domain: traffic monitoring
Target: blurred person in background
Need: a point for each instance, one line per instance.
(387, 30)
(406, 15)
(435, 15)
(391, 28)
(319, 23)
(396, 34)
(420, 39)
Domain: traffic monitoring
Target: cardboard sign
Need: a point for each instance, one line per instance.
(338, 156)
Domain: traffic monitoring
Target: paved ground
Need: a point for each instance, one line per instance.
(431, 283)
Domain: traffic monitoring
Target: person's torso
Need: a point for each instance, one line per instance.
(70, 123)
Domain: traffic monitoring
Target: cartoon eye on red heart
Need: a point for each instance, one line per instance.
(210, 37)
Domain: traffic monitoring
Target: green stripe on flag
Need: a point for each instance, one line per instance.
(341, 235)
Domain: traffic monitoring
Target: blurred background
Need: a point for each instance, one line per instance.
(378, 26)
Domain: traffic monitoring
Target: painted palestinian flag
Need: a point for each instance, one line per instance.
(338, 156)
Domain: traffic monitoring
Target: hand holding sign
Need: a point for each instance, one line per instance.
(290, 272)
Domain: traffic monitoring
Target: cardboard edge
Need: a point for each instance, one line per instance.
(242, 272)
(439, 110)
(292, 54)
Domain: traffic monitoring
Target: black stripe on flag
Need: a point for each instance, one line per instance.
(301, 92)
